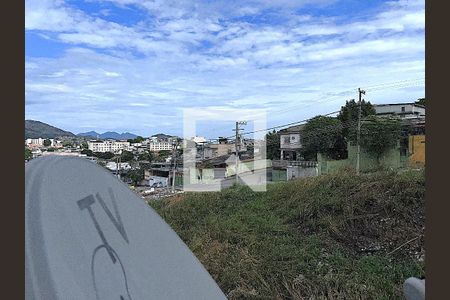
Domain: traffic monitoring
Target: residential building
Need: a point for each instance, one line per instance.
(108, 146)
(113, 166)
(416, 150)
(160, 145)
(403, 110)
(290, 142)
(198, 140)
(39, 142)
(220, 149)
(36, 152)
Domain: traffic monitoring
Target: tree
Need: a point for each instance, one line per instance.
(126, 156)
(87, 152)
(136, 175)
(47, 142)
(138, 139)
(67, 144)
(420, 101)
(349, 115)
(104, 155)
(28, 154)
(84, 145)
(147, 155)
(379, 134)
(163, 154)
(323, 135)
(273, 145)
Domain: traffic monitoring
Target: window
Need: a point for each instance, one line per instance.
(403, 109)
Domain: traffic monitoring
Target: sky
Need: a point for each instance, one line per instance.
(135, 65)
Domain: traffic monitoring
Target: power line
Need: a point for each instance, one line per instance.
(289, 124)
(377, 87)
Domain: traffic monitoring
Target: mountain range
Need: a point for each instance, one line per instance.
(161, 136)
(109, 135)
(36, 129)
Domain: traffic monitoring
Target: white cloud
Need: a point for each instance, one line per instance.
(189, 58)
(112, 74)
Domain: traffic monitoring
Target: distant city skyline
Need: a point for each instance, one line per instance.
(134, 65)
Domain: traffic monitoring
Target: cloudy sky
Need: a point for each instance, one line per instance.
(134, 65)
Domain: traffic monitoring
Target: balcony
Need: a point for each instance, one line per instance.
(300, 163)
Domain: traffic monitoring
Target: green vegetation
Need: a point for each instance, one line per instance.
(104, 155)
(147, 155)
(162, 155)
(380, 134)
(28, 154)
(67, 144)
(323, 135)
(338, 236)
(421, 101)
(138, 139)
(273, 145)
(349, 115)
(87, 152)
(136, 175)
(35, 129)
(126, 156)
(47, 142)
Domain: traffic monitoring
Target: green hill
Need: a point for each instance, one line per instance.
(331, 237)
(36, 129)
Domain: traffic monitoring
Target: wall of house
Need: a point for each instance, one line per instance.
(397, 109)
(368, 162)
(417, 150)
(157, 180)
(290, 141)
(246, 166)
(299, 172)
(194, 176)
(326, 166)
(279, 175)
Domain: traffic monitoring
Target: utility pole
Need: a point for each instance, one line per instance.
(174, 156)
(237, 146)
(358, 134)
(117, 167)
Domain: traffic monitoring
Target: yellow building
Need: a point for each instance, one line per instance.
(417, 150)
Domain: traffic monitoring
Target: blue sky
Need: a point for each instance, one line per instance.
(134, 65)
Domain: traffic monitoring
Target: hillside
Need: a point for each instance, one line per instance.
(109, 135)
(161, 136)
(37, 129)
(330, 237)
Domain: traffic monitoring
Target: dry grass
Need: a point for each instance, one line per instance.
(329, 237)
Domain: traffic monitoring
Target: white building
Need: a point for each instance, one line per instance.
(403, 110)
(160, 145)
(291, 142)
(122, 166)
(39, 142)
(36, 153)
(108, 146)
(198, 139)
